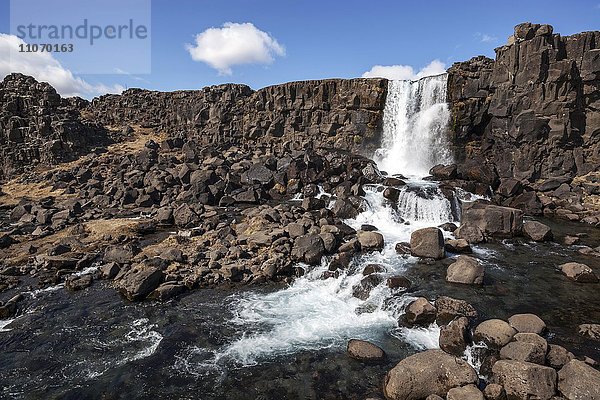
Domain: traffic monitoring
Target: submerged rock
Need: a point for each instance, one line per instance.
(365, 351)
(423, 374)
(466, 270)
(579, 272)
(537, 231)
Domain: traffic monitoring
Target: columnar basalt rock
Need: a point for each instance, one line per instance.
(38, 127)
(533, 115)
(339, 113)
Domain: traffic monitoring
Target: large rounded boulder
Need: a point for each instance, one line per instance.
(428, 243)
(423, 374)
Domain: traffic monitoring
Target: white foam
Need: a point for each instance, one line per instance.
(422, 338)
(4, 323)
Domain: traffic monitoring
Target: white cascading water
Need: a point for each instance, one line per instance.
(415, 118)
(315, 313)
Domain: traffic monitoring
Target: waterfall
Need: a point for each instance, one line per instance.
(415, 119)
(317, 312)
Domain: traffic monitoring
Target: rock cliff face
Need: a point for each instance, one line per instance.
(346, 114)
(532, 117)
(38, 127)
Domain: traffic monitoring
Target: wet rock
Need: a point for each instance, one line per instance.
(139, 281)
(448, 227)
(537, 231)
(109, 270)
(398, 282)
(493, 391)
(428, 243)
(466, 270)
(494, 332)
(492, 220)
(471, 234)
(420, 312)
(58, 262)
(8, 309)
(558, 356)
(449, 308)
(402, 248)
(571, 240)
(528, 347)
(344, 208)
(523, 380)
(363, 289)
(76, 283)
(443, 172)
(370, 240)
(309, 249)
(459, 246)
(590, 331)
(454, 336)
(312, 203)
(578, 272)
(577, 380)
(372, 269)
(527, 323)
(391, 193)
(469, 392)
(167, 290)
(426, 373)
(365, 351)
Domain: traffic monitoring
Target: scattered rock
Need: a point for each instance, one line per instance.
(469, 392)
(466, 270)
(528, 347)
(558, 356)
(449, 308)
(494, 332)
(537, 231)
(370, 240)
(76, 283)
(309, 249)
(364, 351)
(428, 243)
(454, 336)
(577, 380)
(590, 331)
(139, 281)
(578, 272)
(426, 373)
(523, 380)
(527, 323)
(458, 246)
(420, 312)
(493, 391)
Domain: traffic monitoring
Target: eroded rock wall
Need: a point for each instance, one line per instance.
(533, 115)
(346, 114)
(38, 127)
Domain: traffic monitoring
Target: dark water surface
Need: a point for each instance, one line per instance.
(93, 344)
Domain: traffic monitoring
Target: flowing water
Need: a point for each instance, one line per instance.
(289, 341)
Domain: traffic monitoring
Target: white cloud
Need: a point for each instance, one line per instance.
(234, 44)
(44, 67)
(405, 72)
(485, 38)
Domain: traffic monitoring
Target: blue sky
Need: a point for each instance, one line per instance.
(327, 39)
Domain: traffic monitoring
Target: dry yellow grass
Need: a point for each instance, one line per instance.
(15, 190)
